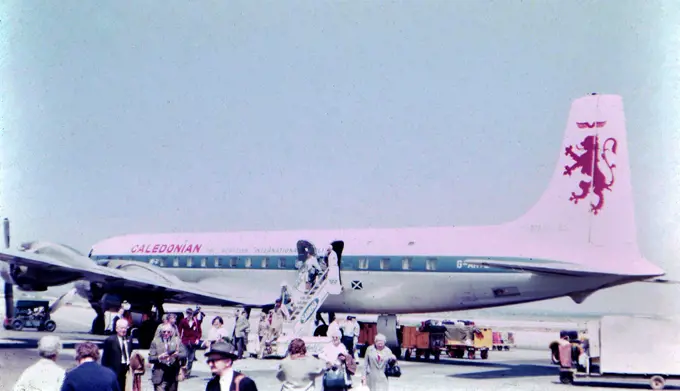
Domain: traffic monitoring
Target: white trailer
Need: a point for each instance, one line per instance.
(632, 347)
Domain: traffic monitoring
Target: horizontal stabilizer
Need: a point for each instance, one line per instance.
(563, 269)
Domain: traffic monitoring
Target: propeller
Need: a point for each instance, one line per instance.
(65, 298)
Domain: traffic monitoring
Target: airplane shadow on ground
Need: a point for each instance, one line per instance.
(508, 371)
(32, 343)
(504, 371)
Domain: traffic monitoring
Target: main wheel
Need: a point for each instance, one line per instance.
(484, 354)
(50, 326)
(657, 382)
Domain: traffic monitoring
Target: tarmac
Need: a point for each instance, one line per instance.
(517, 369)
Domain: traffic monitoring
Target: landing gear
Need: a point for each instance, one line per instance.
(99, 322)
(387, 326)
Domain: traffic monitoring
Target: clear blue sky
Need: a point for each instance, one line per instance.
(285, 115)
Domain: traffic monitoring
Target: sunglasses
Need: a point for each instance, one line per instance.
(213, 360)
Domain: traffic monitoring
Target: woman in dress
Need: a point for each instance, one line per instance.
(335, 354)
(377, 359)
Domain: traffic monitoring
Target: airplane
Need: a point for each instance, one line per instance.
(578, 238)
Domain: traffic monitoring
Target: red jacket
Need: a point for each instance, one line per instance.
(193, 333)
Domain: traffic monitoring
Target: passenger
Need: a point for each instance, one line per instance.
(221, 360)
(350, 333)
(165, 354)
(377, 359)
(45, 374)
(117, 350)
(336, 356)
(333, 327)
(262, 327)
(298, 371)
(89, 375)
(170, 319)
(190, 333)
(241, 330)
(217, 333)
(312, 269)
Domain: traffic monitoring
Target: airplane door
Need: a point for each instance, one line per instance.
(338, 246)
(304, 247)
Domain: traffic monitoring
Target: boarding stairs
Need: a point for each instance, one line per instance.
(301, 320)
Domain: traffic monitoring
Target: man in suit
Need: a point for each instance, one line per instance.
(89, 375)
(165, 354)
(117, 351)
(220, 360)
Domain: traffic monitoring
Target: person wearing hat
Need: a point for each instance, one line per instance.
(221, 360)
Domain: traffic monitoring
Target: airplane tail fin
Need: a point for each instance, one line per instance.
(589, 200)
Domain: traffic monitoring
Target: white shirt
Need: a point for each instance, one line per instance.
(123, 350)
(216, 334)
(226, 378)
(350, 329)
(44, 375)
(330, 353)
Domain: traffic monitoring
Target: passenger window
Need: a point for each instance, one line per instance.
(282, 263)
(363, 263)
(385, 264)
(265, 262)
(204, 262)
(162, 262)
(175, 262)
(406, 264)
(217, 262)
(233, 261)
(249, 262)
(431, 264)
(190, 262)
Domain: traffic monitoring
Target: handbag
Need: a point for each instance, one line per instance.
(392, 370)
(334, 378)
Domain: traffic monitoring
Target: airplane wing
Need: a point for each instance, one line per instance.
(60, 264)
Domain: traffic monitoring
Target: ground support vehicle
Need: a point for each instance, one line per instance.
(424, 341)
(503, 340)
(465, 340)
(31, 314)
(631, 348)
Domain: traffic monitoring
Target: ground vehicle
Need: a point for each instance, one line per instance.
(462, 337)
(426, 340)
(503, 340)
(629, 347)
(31, 314)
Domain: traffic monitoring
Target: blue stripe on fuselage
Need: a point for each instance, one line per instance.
(429, 264)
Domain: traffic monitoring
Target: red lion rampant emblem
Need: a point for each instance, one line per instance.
(589, 163)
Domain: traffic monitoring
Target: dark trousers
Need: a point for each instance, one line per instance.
(191, 355)
(241, 346)
(349, 344)
(122, 376)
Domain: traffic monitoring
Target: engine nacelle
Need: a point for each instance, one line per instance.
(23, 278)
